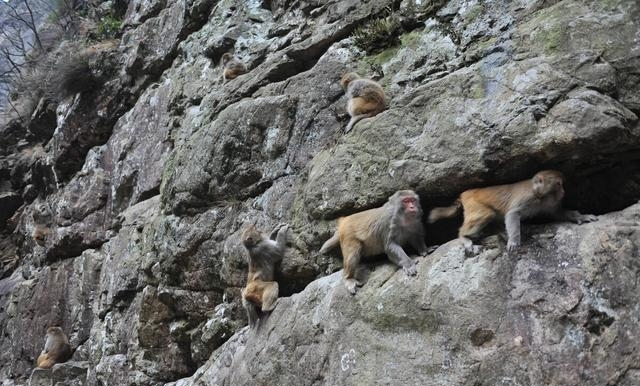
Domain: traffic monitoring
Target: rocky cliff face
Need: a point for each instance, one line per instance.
(122, 208)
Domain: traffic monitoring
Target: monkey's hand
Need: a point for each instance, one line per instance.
(277, 229)
(577, 217)
(582, 218)
(431, 249)
(410, 270)
(351, 285)
(512, 247)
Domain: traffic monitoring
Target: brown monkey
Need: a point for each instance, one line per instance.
(540, 195)
(40, 234)
(232, 67)
(386, 229)
(56, 349)
(366, 98)
(261, 291)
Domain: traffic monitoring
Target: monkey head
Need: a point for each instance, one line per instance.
(548, 182)
(54, 331)
(226, 57)
(407, 202)
(251, 236)
(348, 78)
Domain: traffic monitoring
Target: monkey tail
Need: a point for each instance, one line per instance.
(330, 244)
(445, 212)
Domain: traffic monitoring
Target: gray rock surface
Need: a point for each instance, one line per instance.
(561, 312)
(122, 211)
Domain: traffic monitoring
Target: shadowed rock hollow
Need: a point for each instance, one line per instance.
(141, 189)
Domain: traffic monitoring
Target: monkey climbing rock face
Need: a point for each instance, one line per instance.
(261, 292)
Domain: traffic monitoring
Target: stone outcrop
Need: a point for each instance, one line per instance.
(122, 206)
(561, 312)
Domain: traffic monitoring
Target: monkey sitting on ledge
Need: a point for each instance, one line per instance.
(232, 67)
(540, 195)
(366, 98)
(56, 349)
(387, 229)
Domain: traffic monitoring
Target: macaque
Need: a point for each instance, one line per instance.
(387, 229)
(56, 349)
(40, 234)
(366, 98)
(261, 291)
(231, 67)
(540, 195)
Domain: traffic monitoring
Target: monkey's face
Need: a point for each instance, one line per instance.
(410, 206)
(549, 183)
(54, 330)
(251, 237)
(226, 57)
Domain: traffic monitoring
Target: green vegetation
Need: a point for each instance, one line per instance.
(473, 13)
(552, 39)
(378, 34)
(108, 28)
(385, 30)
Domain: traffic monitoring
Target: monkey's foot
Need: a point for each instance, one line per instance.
(266, 308)
(472, 250)
(586, 218)
(431, 249)
(469, 249)
(512, 248)
(351, 285)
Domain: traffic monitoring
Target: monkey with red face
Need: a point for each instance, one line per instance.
(388, 229)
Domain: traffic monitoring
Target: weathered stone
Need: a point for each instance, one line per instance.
(541, 317)
(128, 232)
(62, 374)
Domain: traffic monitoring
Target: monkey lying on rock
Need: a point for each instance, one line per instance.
(540, 195)
(387, 229)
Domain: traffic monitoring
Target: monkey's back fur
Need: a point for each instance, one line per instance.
(366, 97)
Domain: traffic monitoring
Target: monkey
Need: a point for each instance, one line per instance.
(366, 98)
(40, 234)
(387, 229)
(540, 195)
(261, 291)
(231, 67)
(56, 349)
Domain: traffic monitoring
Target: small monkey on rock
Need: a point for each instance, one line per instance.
(56, 349)
(261, 291)
(388, 229)
(366, 98)
(540, 195)
(232, 67)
